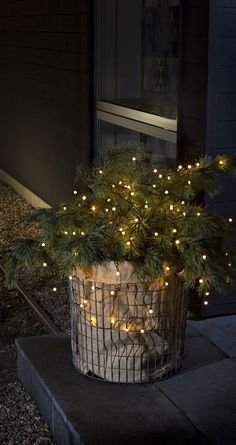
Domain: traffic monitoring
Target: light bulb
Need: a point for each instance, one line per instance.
(75, 192)
(136, 219)
(128, 243)
(64, 208)
(156, 233)
(100, 172)
(118, 273)
(44, 264)
(150, 311)
(74, 233)
(112, 292)
(109, 200)
(182, 202)
(207, 293)
(198, 213)
(142, 331)
(221, 162)
(146, 206)
(70, 277)
(120, 182)
(126, 329)
(204, 257)
(184, 214)
(197, 164)
(120, 229)
(174, 230)
(171, 207)
(180, 167)
(66, 233)
(166, 192)
(132, 193)
(81, 305)
(201, 281)
(82, 233)
(229, 264)
(93, 208)
(230, 220)
(106, 210)
(167, 268)
(205, 302)
(43, 244)
(113, 186)
(84, 198)
(226, 254)
(189, 166)
(189, 182)
(113, 209)
(166, 283)
(168, 177)
(155, 170)
(85, 301)
(123, 233)
(112, 321)
(177, 242)
(154, 186)
(160, 176)
(93, 287)
(54, 289)
(134, 159)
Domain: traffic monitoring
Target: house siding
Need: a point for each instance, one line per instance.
(45, 75)
(221, 118)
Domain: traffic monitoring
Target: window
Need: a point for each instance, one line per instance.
(137, 64)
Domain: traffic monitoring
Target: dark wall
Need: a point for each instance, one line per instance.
(221, 113)
(193, 78)
(44, 93)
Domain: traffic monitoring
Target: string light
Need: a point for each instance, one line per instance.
(184, 214)
(123, 233)
(66, 233)
(166, 192)
(160, 176)
(93, 287)
(204, 257)
(168, 177)
(82, 233)
(207, 293)
(171, 207)
(132, 193)
(229, 264)
(221, 162)
(128, 243)
(120, 182)
(142, 331)
(134, 159)
(84, 198)
(205, 302)
(118, 273)
(156, 233)
(44, 264)
(198, 213)
(180, 167)
(128, 187)
(70, 277)
(81, 305)
(112, 292)
(189, 182)
(197, 164)
(113, 186)
(146, 206)
(154, 186)
(100, 172)
(201, 281)
(106, 210)
(127, 329)
(43, 244)
(136, 220)
(112, 321)
(74, 233)
(189, 166)
(54, 289)
(155, 170)
(75, 192)
(64, 208)
(177, 242)
(93, 208)
(226, 254)
(182, 202)
(174, 230)
(230, 220)
(113, 209)
(150, 311)
(166, 283)
(167, 268)
(85, 301)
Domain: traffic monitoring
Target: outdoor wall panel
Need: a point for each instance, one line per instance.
(45, 97)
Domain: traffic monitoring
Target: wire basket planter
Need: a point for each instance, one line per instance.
(127, 332)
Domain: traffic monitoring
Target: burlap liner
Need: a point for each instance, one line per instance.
(122, 331)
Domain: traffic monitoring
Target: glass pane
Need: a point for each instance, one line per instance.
(110, 134)
(138, 54)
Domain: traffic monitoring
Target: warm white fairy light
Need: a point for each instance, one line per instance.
(128, 243)
(132, 193)
(85, 301)
(123, 232)
(112, 321)
(166, 192)
(201, 281)
(167, 268)
(229, 264)
(166, 283)
(75, 192)
(44, 264)
(150, 311)
(82, 233)
(113, 186)
(177, 242)
(174, 230)
(168, 177)
(100, 172)
(226, 254)
(128, 187)
(113, 209)
(155, 170)
(120, 229)
(204, 257)
(134, 159)
(198, 213)
(184, 214)
(43, 244)
(142, 331)
(189, 166)
(65, 232)
(64, 208)
(230, 220)
(136, 220)
(182, 202)
(93, 287)
(106, 210)
(126, 329)
(156, 233)
(154, 186)
(221, 162)
(189, 182)
(112, 292)
(197, 164)
(171, 207)
(205, 302)
(120, 182)
(180, 167)
(118, 273)
(81, 305)
(70, 277)
(74, 233)
(160, 176)
(54, 289)
(93, 208)
(109, 200)
(84, 197)
(146, 206)
(178, 210)
(207, 293)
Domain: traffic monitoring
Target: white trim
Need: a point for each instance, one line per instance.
(21, 190)
(140, 127)
(140, 116)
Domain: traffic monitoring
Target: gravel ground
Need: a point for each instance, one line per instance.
(21, 423)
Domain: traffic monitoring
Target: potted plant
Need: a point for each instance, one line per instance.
(132, 242)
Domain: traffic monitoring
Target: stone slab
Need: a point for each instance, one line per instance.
(199, 351)
(84, 411)
(207, 396)
(219, 330)
(190, 331)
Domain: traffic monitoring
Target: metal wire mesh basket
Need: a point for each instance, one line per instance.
(127, 332)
